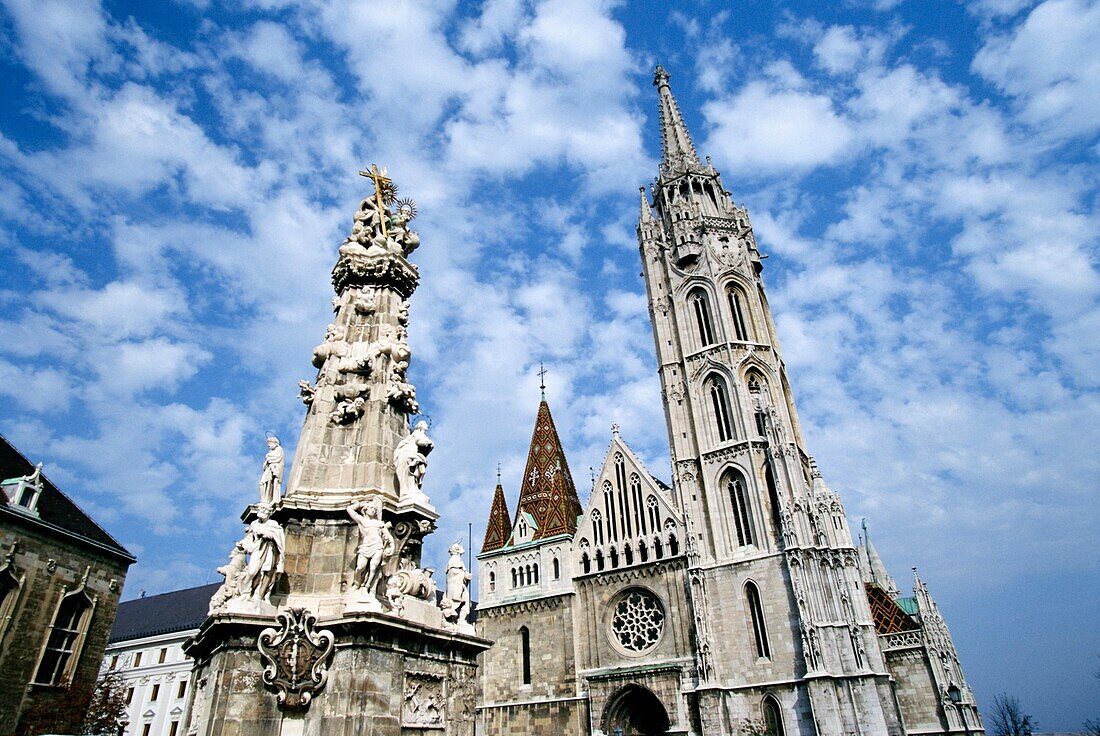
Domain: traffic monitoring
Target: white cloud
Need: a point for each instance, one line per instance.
(767, 127)
(1049, 63)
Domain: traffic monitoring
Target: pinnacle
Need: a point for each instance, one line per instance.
(500, 521)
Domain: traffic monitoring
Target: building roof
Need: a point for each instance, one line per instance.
(888, 615)
(179, 610)
(548, 493)
(500, 522)
(54, 509)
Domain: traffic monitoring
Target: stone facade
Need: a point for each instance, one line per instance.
(60, 580)
(734, 599)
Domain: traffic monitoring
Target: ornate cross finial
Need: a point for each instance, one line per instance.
(498, 474)
(542, 379)
(382, 186)
(615, 429)
(660, 76)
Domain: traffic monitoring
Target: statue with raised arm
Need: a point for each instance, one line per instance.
(409, 459)
(271, 479)
(376, 545)
(265, 543)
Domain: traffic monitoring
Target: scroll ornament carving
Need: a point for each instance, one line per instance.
(296, 657)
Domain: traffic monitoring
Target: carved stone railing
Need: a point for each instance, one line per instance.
(901, 640)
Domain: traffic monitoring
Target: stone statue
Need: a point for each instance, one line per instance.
(271, 479)
(265, 543)
(409, 458)
(231, 587)
(456, 597)
(306, 392)
(394, 595)
(376, 545)
(335, 344)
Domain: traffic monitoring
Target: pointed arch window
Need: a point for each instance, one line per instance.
(9, 592)
(525, 653)
(62, 651)
(720, 406)
(756, 613)
(586, 563)
(636, 503)
(492, 582)
(597, 527)
(700, 307)
(557, 569)
(773, 719)
(739, 500)
(653, 512)
(737, 310)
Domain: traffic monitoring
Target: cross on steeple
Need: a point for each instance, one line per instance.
(542, 379)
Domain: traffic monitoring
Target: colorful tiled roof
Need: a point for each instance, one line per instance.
(889, 617)
(500, 522)
(548, 493)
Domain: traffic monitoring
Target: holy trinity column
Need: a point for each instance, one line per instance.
(326, 619)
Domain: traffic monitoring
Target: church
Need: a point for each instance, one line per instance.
(732, 599)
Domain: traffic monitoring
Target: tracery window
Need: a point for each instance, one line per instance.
(701, 309)
(62, 652)
(719, 401)
(739, 500)
(654, 513)
(756, 613)
(638, 620)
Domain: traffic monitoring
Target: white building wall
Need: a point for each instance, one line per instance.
(167, 714)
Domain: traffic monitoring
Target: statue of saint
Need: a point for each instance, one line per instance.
(375, 544)
(265, 543)
(271, 479)
(409, 458)
(456, 598)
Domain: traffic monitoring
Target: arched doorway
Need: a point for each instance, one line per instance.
(634, 711)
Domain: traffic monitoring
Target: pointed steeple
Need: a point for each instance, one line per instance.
(548, 493)
(876, 572)
(677, 151)
(646, 215)
(500, 521)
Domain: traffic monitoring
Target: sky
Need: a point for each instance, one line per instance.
(177, 176)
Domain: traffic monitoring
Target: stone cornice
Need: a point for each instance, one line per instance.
(387, 270)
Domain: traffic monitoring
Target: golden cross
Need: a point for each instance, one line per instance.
(379, 180)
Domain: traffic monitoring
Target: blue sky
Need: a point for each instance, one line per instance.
(177, 177)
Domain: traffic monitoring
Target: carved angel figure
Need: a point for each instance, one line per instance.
(231, 586)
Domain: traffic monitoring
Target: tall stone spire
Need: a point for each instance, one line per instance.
(876, 570)
(500, 522)
(678, 152)
(548, 493)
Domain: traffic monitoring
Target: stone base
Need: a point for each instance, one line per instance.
(386, 677)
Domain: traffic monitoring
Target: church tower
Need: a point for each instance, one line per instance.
(782, 627)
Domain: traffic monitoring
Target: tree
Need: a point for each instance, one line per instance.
(106, 712)
(1008, 718)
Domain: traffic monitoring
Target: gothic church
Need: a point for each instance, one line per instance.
(734, 601)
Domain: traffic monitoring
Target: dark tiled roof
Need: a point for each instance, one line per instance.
(179, 610)
(54, 507)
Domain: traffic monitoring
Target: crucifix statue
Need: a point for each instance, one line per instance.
(381, 181)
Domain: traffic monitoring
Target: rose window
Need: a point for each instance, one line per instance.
(638, 620)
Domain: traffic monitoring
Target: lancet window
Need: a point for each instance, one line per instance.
(700, 307)
(9, 591)
(492, 582)
(739, 500)
(737, 310)
(756, 613)
(525, 653)
(720, 406)
(66, 639)
(773, 719)
(653, 511)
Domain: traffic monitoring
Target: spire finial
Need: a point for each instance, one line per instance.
(615, 429)
(498, 474)
(678, 152)
(542, 380)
